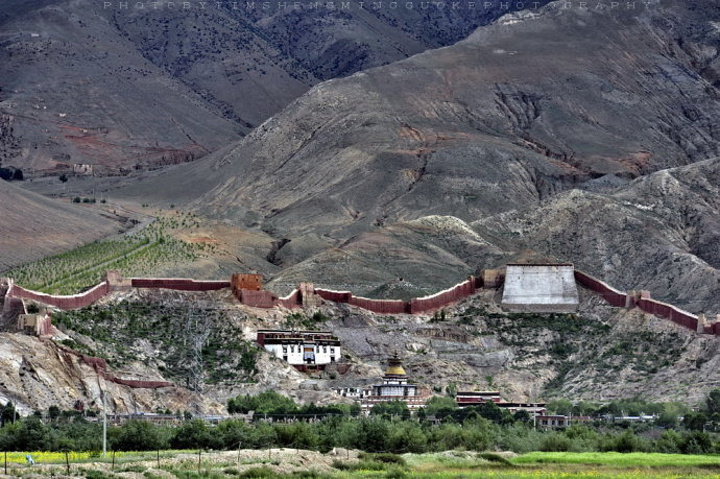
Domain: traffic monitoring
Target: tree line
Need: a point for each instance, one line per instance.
(279, 422)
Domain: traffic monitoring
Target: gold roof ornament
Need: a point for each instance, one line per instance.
(395, 366)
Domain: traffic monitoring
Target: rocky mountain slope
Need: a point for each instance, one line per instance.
(534, 105)
(87, 82)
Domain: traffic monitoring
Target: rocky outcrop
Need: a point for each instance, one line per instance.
(36, 374)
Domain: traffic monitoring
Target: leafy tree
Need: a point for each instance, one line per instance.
(138, 435)
(233, 434)
(268, 402)
(406, 436)
(695, 421)
(670, 442)
(560, 406)
(713, 401)
(555, 442)
(300, 435)
(522, 416)
(491, 411)
(696, 442)
(479, 433)
(371, 435)
(670, 414)
(440, 406)
(53, 412)
(390, 408)
(195, 434)
(8, 413)
(261, 436)
(33, 435)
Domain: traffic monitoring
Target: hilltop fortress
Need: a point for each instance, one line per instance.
(538, 288)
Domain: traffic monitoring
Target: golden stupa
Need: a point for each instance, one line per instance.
(395, 366)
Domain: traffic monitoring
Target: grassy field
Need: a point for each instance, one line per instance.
(140, 254)
(633, 459)
(351, 464)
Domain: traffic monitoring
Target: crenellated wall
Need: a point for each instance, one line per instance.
(444, 298)
(611, 295)
(667, 311)
(292, 300)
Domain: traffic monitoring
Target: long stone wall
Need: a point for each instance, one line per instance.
(75, 301)
(611, 295)
(667, 311)
(179, 284)
(85, 299)
(444, 298)
(644, 303)
(304, 296)
(414, 306)
(292, 300)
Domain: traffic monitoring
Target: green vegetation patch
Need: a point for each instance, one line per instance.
(633, 459)
(192, 346)
(569, 343)
(144, 253)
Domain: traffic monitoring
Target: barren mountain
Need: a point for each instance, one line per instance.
(123, 87)
(32, 226)
(533, 105)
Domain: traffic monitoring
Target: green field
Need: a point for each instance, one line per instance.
(301, 463)
(141, 254)
(633, 459)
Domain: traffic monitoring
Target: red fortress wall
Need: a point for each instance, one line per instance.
(444, 298)
(266, 299)
(75, 301)
(394, 306)
(667, 311)
(610, 294)
(179, 284)
(645, 304)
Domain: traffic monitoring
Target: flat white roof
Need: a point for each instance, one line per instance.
(540, 285)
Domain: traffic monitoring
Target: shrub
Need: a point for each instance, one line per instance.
(263, 471)
(555, 442)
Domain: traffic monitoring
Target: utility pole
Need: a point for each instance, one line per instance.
(102, 393)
